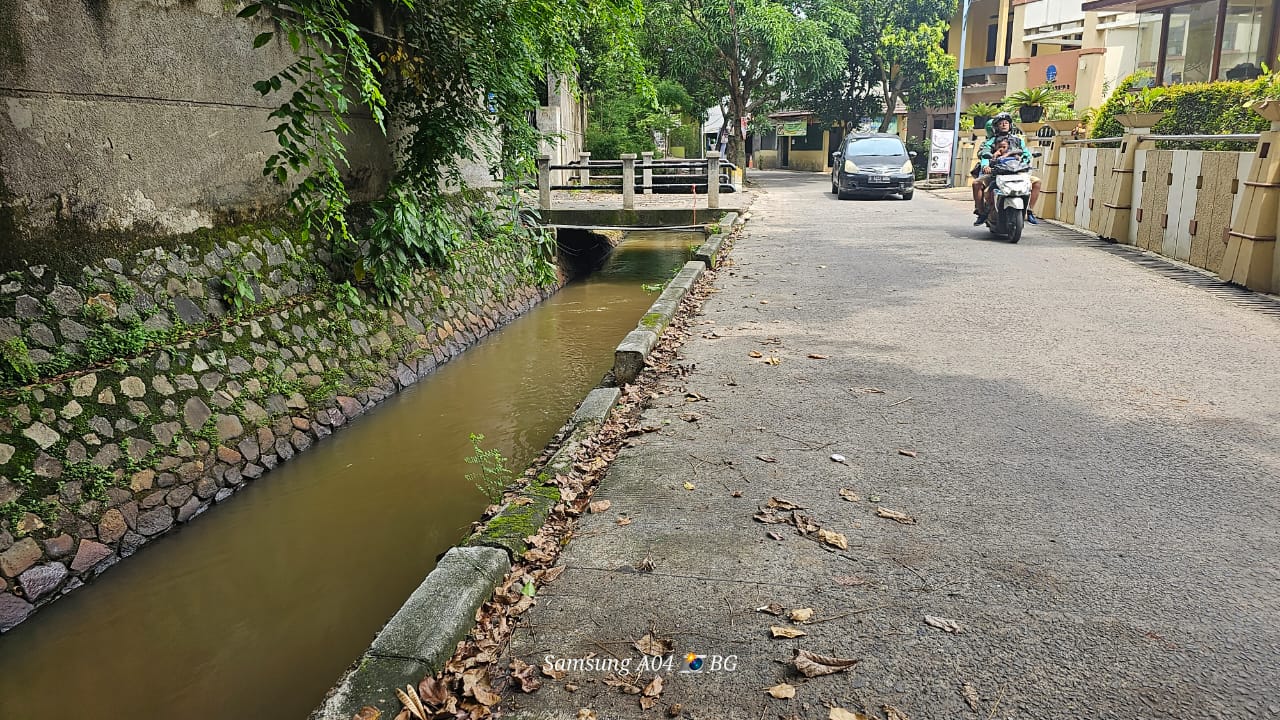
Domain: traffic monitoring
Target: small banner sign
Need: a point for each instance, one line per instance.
(793, 128)
(940, 145)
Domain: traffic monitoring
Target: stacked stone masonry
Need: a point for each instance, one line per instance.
(97, 460)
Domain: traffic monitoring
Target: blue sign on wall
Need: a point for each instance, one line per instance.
(1051, 73)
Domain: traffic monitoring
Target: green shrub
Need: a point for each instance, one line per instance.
(1213, 108)
(494, 475)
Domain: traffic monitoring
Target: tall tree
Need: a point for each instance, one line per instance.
(893, 52)
(745, 54)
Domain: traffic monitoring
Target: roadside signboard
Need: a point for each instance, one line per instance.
(793, 128)
(940, 145)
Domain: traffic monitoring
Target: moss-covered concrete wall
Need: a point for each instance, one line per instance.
(133, 397)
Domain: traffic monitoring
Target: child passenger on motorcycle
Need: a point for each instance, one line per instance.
(1003, 148)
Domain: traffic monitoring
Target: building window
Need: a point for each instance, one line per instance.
(1189, 54)
(993, 34)
(1148, 51)
(1245, 38)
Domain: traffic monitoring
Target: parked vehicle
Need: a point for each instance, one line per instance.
(1011, 191)
(877, 165)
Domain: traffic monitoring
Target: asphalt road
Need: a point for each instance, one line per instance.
(1095, 484)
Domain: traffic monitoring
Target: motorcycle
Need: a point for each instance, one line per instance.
(1011, 190)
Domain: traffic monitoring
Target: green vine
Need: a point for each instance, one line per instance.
(463, 77)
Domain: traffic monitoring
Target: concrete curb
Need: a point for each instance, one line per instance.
(709, 252)
(422, 635)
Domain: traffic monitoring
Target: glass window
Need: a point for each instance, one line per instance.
(1148, 51)
(1189, 57)
(882, 147)
(1244, 38)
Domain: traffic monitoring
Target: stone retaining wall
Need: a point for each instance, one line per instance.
(155, 402)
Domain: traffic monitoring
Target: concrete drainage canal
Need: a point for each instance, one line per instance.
(255, 609)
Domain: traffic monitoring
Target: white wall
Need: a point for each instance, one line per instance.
(1052, 12)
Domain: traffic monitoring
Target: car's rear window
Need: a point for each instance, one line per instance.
(875, 146)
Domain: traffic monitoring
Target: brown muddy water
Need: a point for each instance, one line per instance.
(256, 608)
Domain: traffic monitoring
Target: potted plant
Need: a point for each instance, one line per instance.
(981, 113)
(1031, 102)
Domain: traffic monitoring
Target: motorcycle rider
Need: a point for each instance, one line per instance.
(1001, 126)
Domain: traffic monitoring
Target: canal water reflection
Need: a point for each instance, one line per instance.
(257, 607)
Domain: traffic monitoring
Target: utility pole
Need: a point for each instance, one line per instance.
(955, 138)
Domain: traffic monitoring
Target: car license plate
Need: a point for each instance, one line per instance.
(880, 179)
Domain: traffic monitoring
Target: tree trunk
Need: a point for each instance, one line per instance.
(737, 148)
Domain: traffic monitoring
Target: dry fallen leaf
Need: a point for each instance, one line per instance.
(767, 458)
(654, 688)
(842, 714)
(674, 711)
(690, 417)
(775, 536)
(647, 703)
(622, 684)
(570, 687)
(649, 645)
(849, 494)
(971, 697)
(690, 486)
(769, 517)
(412, 702)
(550, 574)
(893, 713)
(786, 632)
(908, 453)
(802, 615)
(773, 360)
(525, 673)
(476, 684)
(950, 626)
(782, 691)
(903, 518)
(815, 665)
(777, 502)
(816, 356)
(367, 713)
(624, 521)
(587, 714)
(804, 523)
(833, 539)
(434, 691)
(736, 493)
(553, 673)
(599, 506)
(755, 354)
(772, 609)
